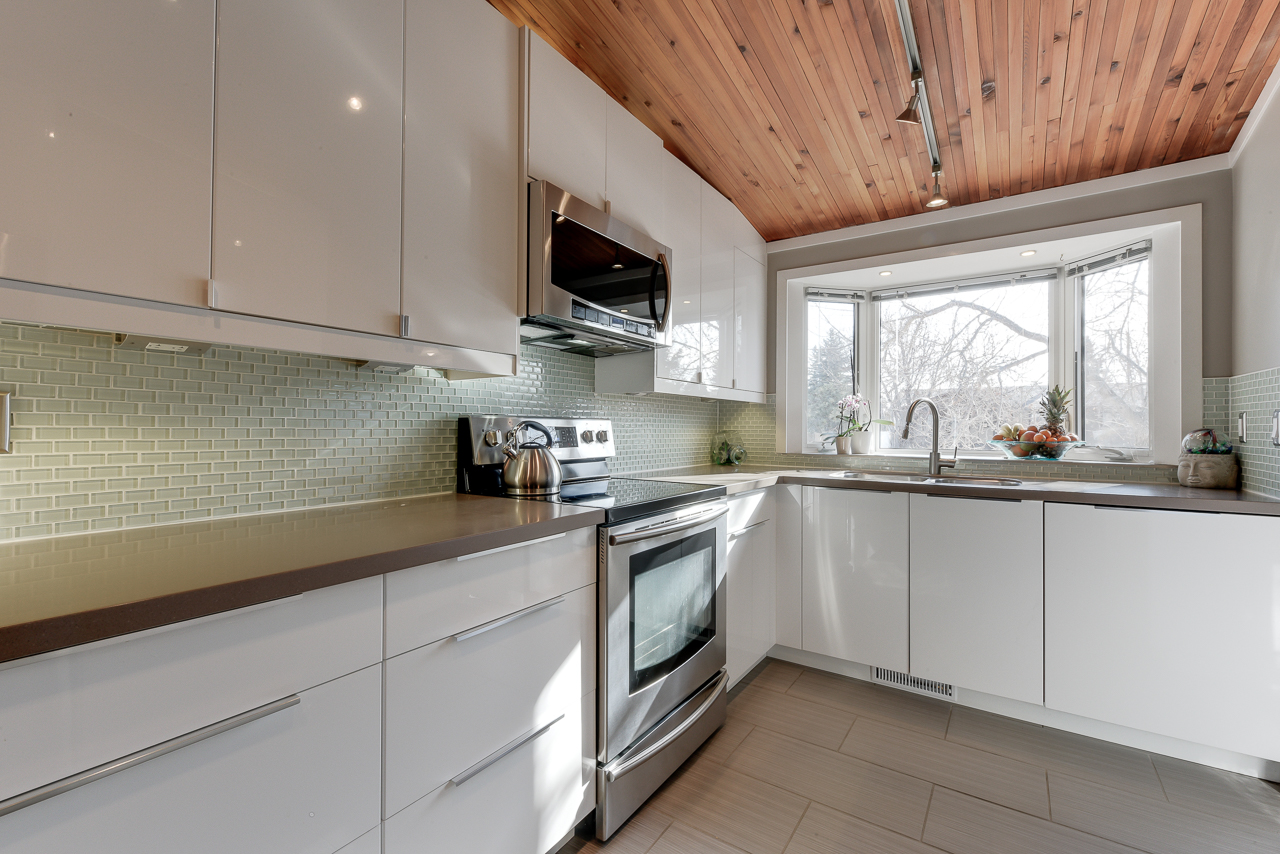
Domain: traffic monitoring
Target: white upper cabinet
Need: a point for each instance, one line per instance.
(682, 191)
(1167, 622)
(634, 172)
(750, 322)
(567, 125)
(106, 141)
(462, 188)
(307, 157)
(718, 321)
(856, 575)
(977, 594)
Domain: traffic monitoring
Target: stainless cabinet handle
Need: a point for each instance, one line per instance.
(75, 781)
(461, 558)
(667, 528)
(510, 618)
(749, 528)
(502, 752)
(624, 763)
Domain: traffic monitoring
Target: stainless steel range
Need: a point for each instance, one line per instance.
(661, 587)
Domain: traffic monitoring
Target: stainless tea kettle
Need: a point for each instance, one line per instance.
(531, 468)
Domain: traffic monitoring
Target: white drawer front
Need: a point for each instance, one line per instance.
(454, 702)
(523, 804)
(430, 602)
(304, 780)
(750, 508)
(67, 712)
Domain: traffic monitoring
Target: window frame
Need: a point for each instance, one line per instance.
(1176, 354)
(872, 382)
(860, 300)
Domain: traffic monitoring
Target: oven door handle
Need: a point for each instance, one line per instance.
(668, 527)
(625, 764)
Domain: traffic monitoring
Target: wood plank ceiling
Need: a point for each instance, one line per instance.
(787, 106)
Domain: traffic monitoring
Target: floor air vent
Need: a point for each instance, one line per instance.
(913, 683)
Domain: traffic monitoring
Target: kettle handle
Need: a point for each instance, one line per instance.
(515, 443)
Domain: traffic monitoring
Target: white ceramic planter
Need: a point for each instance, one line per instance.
(854, 443)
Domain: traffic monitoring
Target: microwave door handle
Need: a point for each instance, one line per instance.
(653, 292)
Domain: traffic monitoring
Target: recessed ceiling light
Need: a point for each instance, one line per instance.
(886, 272)
(1028, 253)
(686, 302)
(355, 104)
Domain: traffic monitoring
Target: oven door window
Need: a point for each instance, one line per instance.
(673, 606)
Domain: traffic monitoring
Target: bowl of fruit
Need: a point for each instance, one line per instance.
(1050, 442)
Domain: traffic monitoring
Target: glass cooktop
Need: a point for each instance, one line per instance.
(624, 498)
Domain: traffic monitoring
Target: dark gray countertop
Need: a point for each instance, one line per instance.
(63, 591)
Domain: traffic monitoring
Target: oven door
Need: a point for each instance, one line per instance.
(662, 621)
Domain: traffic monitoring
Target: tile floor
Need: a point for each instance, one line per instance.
(811, 763)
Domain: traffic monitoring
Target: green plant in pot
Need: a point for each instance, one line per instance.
(854, 435)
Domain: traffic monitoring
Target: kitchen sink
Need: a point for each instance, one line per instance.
(954, 480)
(882, 477)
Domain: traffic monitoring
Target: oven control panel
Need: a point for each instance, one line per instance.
(576, 438)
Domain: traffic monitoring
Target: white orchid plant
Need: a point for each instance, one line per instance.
(851, 408)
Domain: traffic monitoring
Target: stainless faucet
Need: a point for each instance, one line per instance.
(936, 463)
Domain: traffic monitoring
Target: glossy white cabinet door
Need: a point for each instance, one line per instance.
(750, 323)
(718, 315)
(567, 125)
(633, 168)
(682, 189)
(750, 578)
(856, 575)
(462, 187)
(788, 507)
(304, 779)
(1167, 622)
(307, 153)
(106, 141)
(454, 702)
(524, 803)
(977, 594)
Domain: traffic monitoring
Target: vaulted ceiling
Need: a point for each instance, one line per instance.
(788, 106)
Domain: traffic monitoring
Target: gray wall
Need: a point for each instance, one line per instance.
(1213, 190)
(1256, 176)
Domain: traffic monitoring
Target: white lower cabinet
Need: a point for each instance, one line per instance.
(303, 779)
(452, 703)
(1167, 622)
(78, 708)
(750, 578)
(524, 803)
(856, 575)
(977, 594)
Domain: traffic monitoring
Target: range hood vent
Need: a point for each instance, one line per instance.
(913, 683)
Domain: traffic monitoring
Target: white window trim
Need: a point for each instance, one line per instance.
(1176, 390)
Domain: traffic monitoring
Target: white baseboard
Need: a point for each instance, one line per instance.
(1139, 739)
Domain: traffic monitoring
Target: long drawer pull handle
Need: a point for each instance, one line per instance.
(75, 781)
(474, 555)
(502, 752)
(510, 618)
(749, 528)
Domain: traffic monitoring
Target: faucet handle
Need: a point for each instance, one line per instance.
(951, 463)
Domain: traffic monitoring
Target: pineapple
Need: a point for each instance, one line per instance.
(1055, 407)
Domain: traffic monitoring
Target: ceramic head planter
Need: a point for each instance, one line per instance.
(1207, 461)
(1208, 471)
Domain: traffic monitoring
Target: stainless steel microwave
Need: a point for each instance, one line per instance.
(596, 285)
